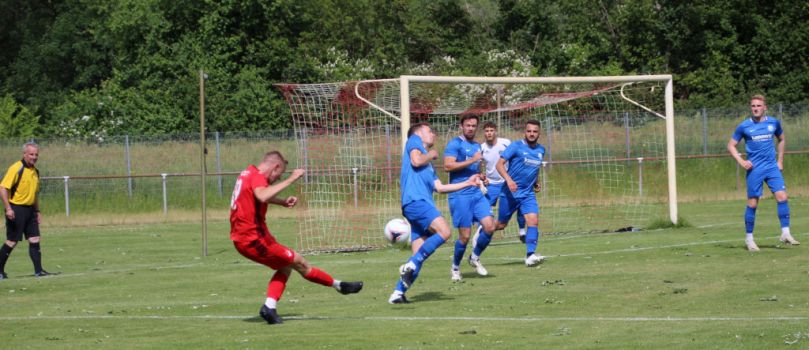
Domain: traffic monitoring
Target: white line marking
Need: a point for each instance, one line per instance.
(417, 318)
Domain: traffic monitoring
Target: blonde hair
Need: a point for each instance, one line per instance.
(759, 97)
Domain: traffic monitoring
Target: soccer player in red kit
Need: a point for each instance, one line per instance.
(256, 187)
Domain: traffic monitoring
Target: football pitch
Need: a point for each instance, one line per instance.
(146, 286)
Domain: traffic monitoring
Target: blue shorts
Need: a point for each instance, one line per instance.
(756, 178)
(509, 204)
(494, 192)
(420, 214)
(466, 209)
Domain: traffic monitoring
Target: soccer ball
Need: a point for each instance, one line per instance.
(397, 231)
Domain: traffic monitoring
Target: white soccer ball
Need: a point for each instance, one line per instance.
(397, 231)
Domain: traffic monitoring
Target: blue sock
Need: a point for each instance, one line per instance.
(520, 220)
(783, 213)
(750, 219)
(427, 249)
(483, 241)
(460, 250)
(531, 236)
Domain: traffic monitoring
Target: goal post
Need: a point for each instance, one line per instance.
(609, 164)
(667, 79)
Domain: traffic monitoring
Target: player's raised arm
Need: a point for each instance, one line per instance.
(265, 194)
(418, 159)
(442, 188)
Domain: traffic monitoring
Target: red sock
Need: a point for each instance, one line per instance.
(320, 277)
(277, 285)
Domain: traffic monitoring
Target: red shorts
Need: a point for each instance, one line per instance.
(267, 252)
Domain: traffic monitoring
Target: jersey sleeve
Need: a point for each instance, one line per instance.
(738, 134)
(452, 148)
(414, 142)
(8, 179)
(778, 130)
(509, 153)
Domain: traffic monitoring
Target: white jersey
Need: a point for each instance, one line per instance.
(491, 155)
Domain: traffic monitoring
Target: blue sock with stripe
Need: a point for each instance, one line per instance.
(427, 249)
(483, 241)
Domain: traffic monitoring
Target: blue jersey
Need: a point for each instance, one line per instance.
(418, 183)
(523, 165)
(759, 140)
(461, 150)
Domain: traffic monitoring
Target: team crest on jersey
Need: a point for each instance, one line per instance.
(770, 128)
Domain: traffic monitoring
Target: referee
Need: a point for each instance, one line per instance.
(19, 192)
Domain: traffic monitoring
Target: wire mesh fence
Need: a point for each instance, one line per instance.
(159, 174)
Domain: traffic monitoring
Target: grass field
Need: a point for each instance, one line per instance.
(146, 286)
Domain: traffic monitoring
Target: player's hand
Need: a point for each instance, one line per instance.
(297, 173)
(747, 165)
(512, 186)
(10, 214)
(473, 180)
(477, 157)
(780, 165)
(39, 217)
(485, 179)
(433, 154)
(290, 201)
(537, 187)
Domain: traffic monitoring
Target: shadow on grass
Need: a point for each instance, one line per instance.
(430, 296)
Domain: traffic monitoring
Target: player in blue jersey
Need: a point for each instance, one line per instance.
(524, 158)
(462, 160)
(763, 164)
(429, 230)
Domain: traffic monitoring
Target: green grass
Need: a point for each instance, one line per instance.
(146, 286)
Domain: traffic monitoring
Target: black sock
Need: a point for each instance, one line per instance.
(5, 251)
(36, 256)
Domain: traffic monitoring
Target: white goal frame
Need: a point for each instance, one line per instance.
(404, 104)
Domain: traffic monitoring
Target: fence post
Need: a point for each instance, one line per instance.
(704, 131)
(738, 184)
(640, 176)
(165, 195)
(626, 127)
(548, 130)
(67, 196)
(128, 165)
(356, 189)
(218, 164)
(780, 111)
(544, 181)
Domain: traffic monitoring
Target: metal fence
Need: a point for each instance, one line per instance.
(160, 173)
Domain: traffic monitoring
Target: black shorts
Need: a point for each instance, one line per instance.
(25, 221)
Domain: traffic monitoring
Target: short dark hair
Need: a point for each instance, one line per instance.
(466, 117)
(490, 124)
(532, 122)
(275, 156)
(415, 127)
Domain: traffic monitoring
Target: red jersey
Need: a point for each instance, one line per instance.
(247, 214)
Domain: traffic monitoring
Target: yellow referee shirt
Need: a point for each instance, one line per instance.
(27, 189)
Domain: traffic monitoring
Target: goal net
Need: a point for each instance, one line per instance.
(609, 163)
